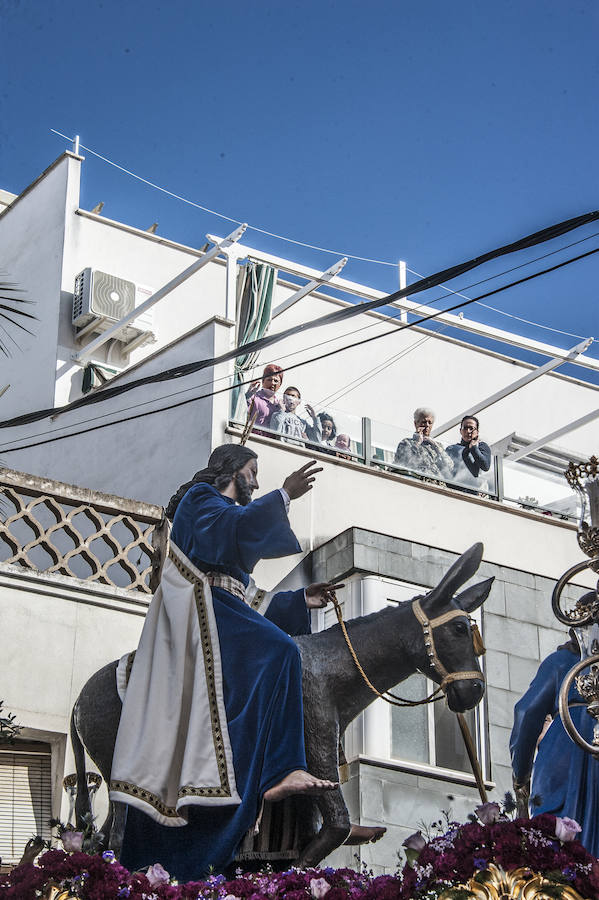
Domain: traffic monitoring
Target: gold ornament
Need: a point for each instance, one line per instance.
(521, 884)
(52, 892)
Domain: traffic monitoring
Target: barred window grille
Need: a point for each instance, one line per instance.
(58, 528)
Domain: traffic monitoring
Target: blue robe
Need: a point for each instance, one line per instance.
(261, 674)
(565, 778)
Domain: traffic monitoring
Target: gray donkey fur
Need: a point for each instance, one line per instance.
(390, 646)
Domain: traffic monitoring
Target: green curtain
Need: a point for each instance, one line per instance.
(255, 288)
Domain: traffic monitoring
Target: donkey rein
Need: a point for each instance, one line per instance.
(393, 699)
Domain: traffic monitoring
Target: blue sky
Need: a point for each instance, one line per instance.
(428, 131)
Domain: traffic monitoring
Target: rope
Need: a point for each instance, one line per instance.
(393, 699)
(436, 664)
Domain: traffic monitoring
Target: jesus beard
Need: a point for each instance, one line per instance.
(244, 492)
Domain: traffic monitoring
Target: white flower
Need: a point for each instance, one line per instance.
(566, 829)
(488, 813)
(157, 875)
(415, 842)
(72, 841)
(319, 887)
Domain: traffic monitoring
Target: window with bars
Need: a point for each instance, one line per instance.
(25, 797)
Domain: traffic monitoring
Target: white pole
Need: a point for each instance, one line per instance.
(403, 282)
(542, 442)
(514, 386)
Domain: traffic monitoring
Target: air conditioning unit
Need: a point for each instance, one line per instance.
(100, 300)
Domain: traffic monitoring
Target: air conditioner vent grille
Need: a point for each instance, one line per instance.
(113, 297)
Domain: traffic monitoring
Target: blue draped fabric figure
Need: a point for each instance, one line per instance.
(261, 670)
(565, 778)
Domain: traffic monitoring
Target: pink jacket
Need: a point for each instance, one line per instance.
(265, 404)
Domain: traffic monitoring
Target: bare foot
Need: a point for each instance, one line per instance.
(364, 834)
(299, 782)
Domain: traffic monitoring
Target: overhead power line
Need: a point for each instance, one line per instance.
(298, 365)
(424, 284)
(213, 212)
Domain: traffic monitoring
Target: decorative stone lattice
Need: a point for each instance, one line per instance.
(53, 527)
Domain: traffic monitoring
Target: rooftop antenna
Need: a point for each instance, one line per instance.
(76, 145)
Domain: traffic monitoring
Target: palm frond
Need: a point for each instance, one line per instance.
(12, 313)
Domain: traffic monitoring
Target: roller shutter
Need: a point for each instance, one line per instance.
(25, 797)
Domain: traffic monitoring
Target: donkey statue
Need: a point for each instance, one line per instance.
(432, 634)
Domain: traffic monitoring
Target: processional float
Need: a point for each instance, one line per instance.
(583, 617)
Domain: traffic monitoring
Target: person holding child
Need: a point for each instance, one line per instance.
(262, 398)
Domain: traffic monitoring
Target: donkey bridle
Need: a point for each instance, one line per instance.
(427, 625)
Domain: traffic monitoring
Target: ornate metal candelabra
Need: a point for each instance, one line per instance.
(583, 617)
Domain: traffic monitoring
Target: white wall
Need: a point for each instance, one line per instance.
(143, 458)
(346, 496)
(144, 260)
(56, 632)
(31, 246)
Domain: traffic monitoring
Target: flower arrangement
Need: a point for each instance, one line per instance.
(70, 876)
(464, 854)
(489, 856)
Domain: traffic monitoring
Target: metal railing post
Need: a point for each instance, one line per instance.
(499, 488)
(367, 440)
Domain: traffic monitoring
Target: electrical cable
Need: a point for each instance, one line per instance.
(370, 373)
(213, 212)
(375, 337)
(388, 318)
(507, 272)
(424, 284)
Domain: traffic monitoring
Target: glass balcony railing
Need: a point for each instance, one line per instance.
(535, 482)
(332, 431)
(533, 487)
(395, 449)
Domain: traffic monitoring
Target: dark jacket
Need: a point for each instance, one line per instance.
(475, 459)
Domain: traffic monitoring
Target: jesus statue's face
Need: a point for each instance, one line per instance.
(246, 482)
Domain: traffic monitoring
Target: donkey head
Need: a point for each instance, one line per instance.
(452, 640)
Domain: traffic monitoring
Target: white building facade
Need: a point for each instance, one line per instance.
(73, 597)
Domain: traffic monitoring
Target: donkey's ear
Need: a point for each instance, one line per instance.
(475, 595)
(461, 571)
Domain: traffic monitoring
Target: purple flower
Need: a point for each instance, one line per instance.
(157, 875)
(415, 842)
(566, 829)
(108, 856)
(72, 841)
(480, 863)
(319, 887)
(488, 813)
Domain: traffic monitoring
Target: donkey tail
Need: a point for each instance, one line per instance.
(83, 802)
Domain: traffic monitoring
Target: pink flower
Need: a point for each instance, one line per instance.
(319, 887)
(72, 841)
(488, 813)
(157, 875)
(566, 829)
